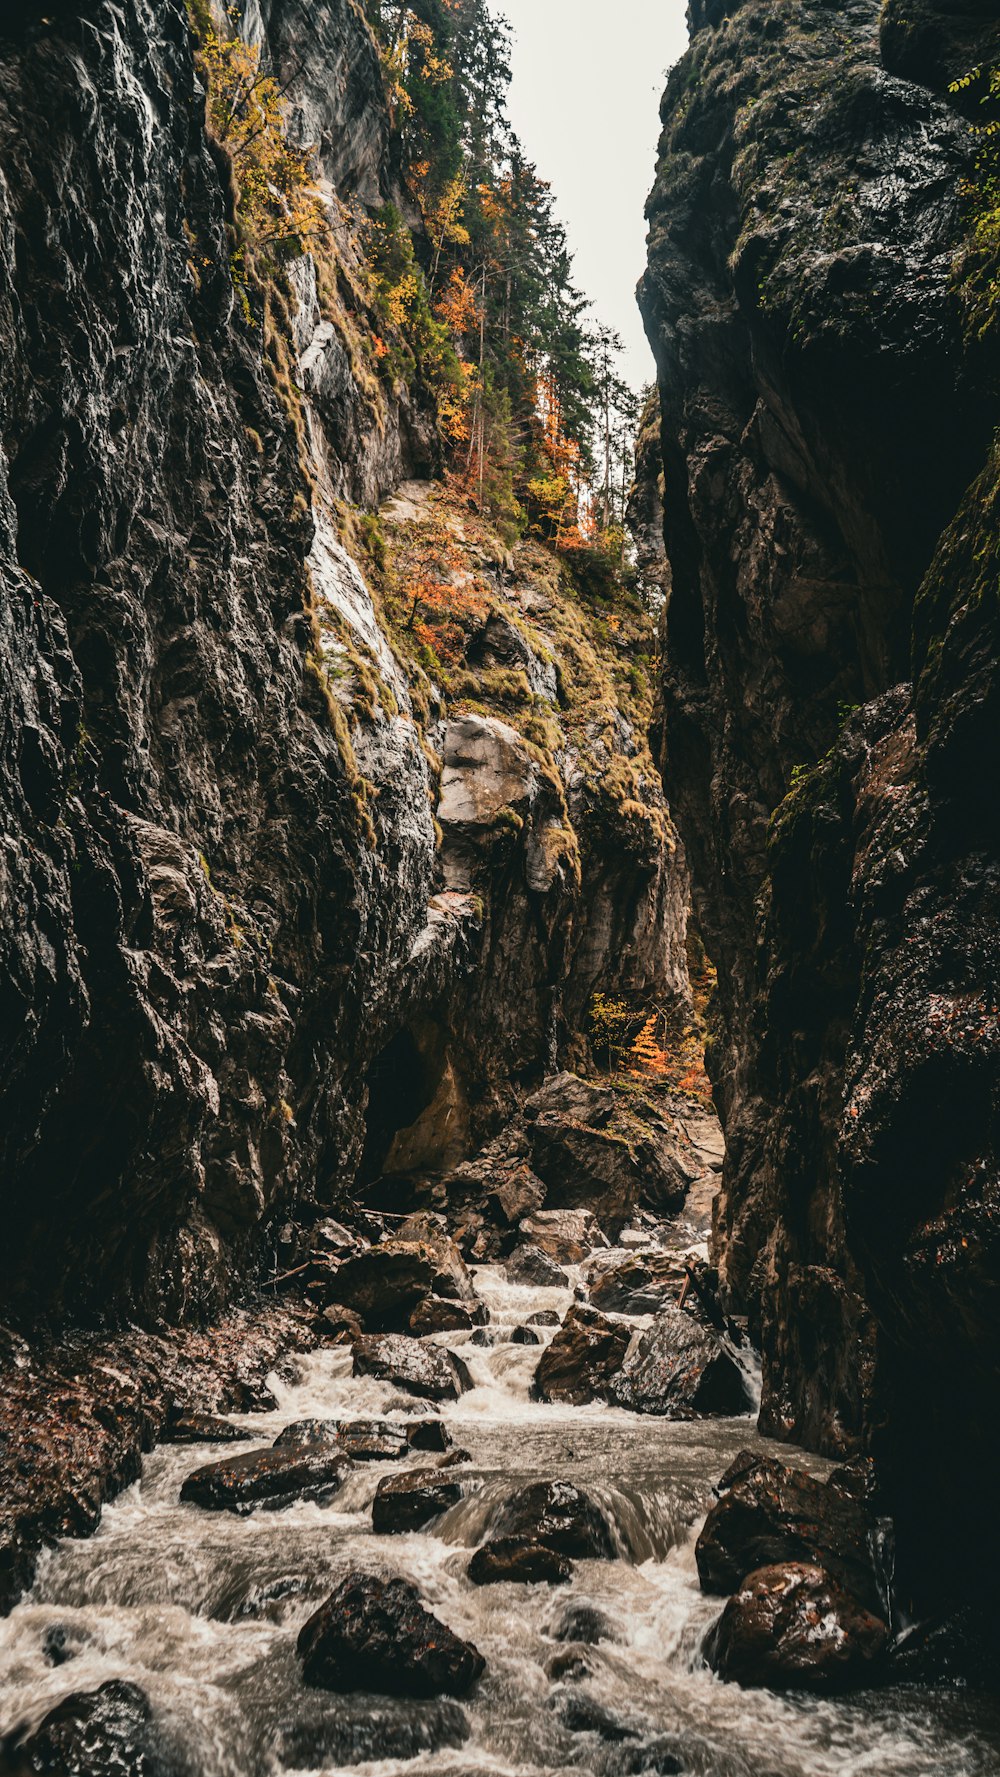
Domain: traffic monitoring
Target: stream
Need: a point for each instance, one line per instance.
(202, 1609)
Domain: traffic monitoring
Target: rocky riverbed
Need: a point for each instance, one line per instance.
(410, 1560)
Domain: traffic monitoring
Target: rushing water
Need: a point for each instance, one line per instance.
(202, 1609)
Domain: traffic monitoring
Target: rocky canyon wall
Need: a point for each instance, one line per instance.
(830, 712)
(270, 898)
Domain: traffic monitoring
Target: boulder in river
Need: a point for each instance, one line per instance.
(428, 1434)
(546, 1317)
(408, 1502)
(773, 1515)
(268, 1479)
(681, 1370)
(635, 1283)
(385, 1284)
(561, 1516)
(524, 1560)
(565, 1235)
(424, 1370)
(370, 1731)
(302, 1432)
(585, 1354)
(582, 1621)
(375, 1634)
(437, 1315)
(204, 1428)
(109, 1732)
(528, 1264)
(525, 1336)
(792, 1627)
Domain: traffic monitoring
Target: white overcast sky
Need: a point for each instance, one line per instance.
(585, 99)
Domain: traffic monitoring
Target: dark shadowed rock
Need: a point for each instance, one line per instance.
(525, 1336)
(528, 1264)
(385, 1284)
(370, 1732)
(408, 1502)
(437, 1315)
(422, 1369)
(109, 1732)
(525, 1562)
(559, 1515)
(960, 1647)
(428, 1434)
(567, 1095)
(520, 1194)
(377, 1440)
(204, 1428)
(268, 1479)
(793, 1628)
(681, 1370)
(773, 1515)
(375, 1635)
(269, 1601)
(585, 1168)
(546, 1317)
(585, 1354)
(582, 1714)
(584, 1622)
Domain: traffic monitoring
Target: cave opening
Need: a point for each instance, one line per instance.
(402, 1081)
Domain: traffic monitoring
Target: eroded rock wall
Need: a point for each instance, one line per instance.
(828, 700)
(223, 897)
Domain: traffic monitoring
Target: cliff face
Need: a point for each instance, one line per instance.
(230, 933)
(830, 709)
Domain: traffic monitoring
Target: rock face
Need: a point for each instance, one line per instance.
(794, 1628)
(376, 1635)
(241, 951)
(830, 697)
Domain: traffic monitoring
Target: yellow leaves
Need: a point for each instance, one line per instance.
(400, 298)
(457, 306)
(277, 202)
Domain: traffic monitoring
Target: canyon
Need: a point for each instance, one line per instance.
(338, 810)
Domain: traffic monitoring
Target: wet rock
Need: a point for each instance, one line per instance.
(376, 1635)
(435, 1315)
(546, 1317)
(638, 1284)
(386, 1284)
(524, 1561)
(586, 1623)
(455, 1459)
(521, 1193)
(582, 1714)
(559, 1515)
(585, 1168)
(682, 1371)
(408, 1502)
(371, 1732)
(570, 1664)
(376, 1440)
(18, 1560)
(565, 1235)
(428, 1434)
(62, 1642)
(579, 1363)
(658, 1756)
(109, 1732)
(524, 1336)
(204, 1428)
(423, 1369)
(486, 1337)
(528, 1264)
(268, 1479)
(793, 1628)
(743, 1462)
(567, 1095)
(342, 1324)
(773, 1515)
(304, 1432)
(961, 1648)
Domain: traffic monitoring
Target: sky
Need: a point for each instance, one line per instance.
(585, 99)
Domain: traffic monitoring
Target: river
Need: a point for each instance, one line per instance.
(202, 1609)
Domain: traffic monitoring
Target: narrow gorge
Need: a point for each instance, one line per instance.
(499, 904)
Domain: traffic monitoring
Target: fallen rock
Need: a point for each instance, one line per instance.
(559, 1515)
(340, 1324)
(204, 1428)
(268, 1479)
(585, 1168)
(681, 1370)
(637, 1284)
(528, 1264)
(793, 1628)
(568, 1096)
(520, 1194)
(525, 1562)
(109, 1732)
(425, 1370)
(565, 1235)
(371, 1732)
(579, 1363)
(772, 1516)
(374, 1634)
(385, 1284)
(525, 1336)
(408, 1502)
(436, 1315)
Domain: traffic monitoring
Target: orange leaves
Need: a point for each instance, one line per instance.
(457, 306)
